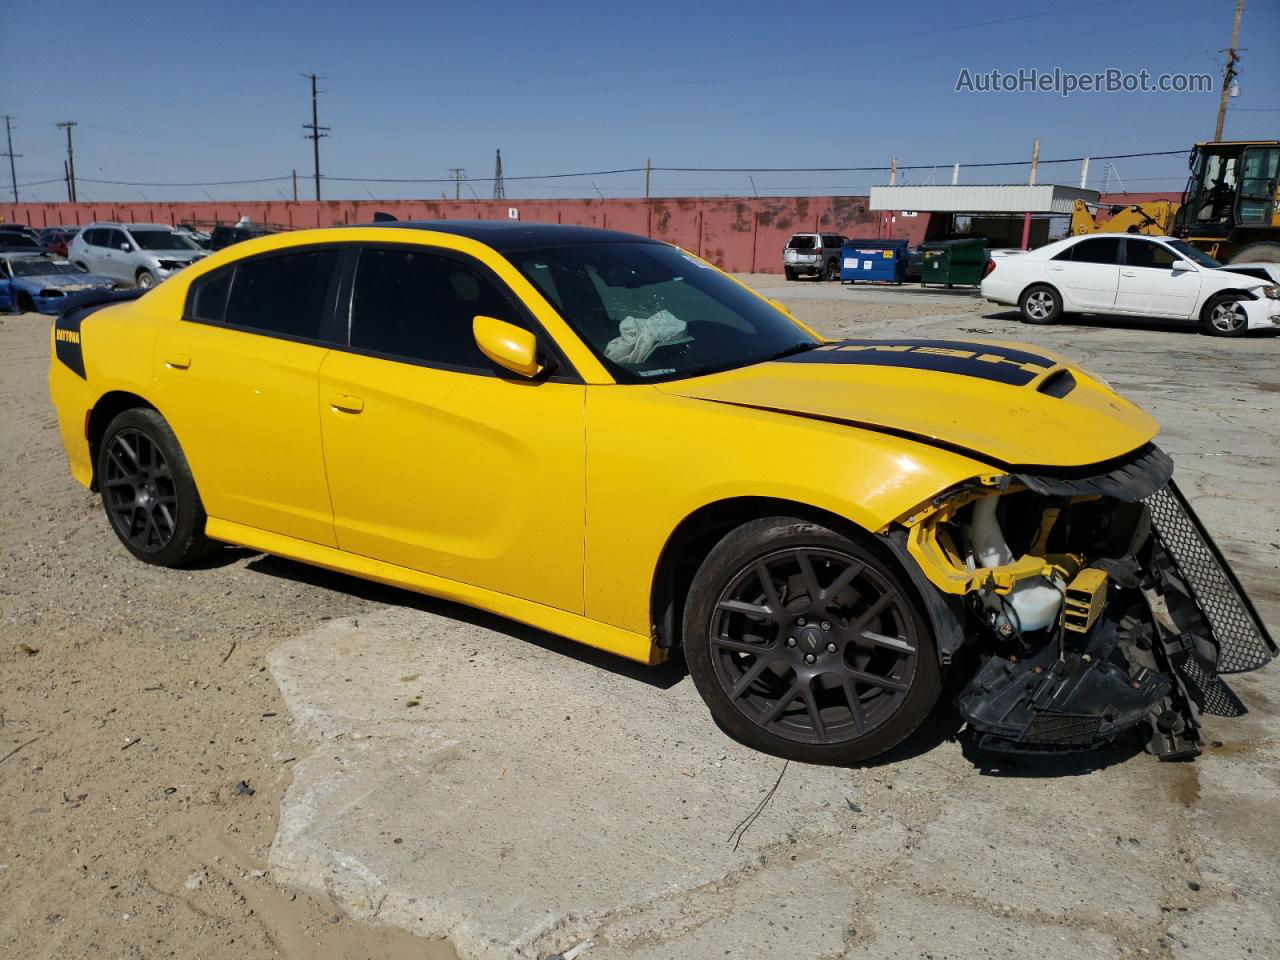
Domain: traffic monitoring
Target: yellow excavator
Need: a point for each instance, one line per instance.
(1230, 208)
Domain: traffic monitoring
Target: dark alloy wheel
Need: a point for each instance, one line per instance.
(148, 491)
(810, 645)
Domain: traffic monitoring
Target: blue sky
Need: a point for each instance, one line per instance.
(213, 92)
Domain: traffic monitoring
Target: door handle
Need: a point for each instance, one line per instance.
(177, 361)
(1127, 273)
(346, 403)
(1057, 269)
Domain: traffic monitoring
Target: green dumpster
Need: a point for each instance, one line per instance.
(951, 262)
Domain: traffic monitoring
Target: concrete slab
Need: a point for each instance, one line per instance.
(518, 794)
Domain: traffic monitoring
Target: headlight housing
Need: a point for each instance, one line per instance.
(1271, 292)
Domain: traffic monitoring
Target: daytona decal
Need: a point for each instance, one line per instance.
(984, 361)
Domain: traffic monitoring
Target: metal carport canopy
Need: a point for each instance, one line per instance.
(1014, 198)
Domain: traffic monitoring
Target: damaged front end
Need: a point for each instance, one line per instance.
(1098, 603)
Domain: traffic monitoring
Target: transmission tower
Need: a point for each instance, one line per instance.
(499, 189)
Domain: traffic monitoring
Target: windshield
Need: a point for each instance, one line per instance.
(16, 241)
(651, 312)
(42, 268)
(800, 243)
(1194, 255)
(161, 240)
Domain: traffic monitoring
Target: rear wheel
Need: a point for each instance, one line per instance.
(148, 491)
(1264, 252)
(832, 271)
(808, 645)
(1223, 316)
(1041, 304)
(789, 273)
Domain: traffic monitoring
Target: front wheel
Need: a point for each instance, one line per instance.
(148, 491)
(146, 279)
(1224, 316)
(1041, 305)
(808, 645)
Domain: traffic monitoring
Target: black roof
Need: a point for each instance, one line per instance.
(510, 235)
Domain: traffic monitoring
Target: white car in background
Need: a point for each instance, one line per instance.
(1126, 275)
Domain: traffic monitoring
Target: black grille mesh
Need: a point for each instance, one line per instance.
(1243, 643)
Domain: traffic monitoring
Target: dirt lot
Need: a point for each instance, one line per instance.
(161, 796)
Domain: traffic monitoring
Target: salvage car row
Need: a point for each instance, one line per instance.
(48, 271)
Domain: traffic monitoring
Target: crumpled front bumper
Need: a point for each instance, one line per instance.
(1143, 634)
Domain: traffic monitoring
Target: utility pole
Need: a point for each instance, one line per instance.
(499, 188)
(457, 175)
(1084, 173)
(13, 174)
(317, 131)
(71, 161)
(648, 168)
(295, 186)
(893, 171)
(1031, 182)
(1229, 71)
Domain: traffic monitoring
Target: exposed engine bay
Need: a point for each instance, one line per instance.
(1098, 605)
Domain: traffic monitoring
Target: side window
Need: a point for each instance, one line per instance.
(1143, 253)
(208, 297)
(282, 295)
(1097, 250)
(93, 237)
(115, 238)
(420, 306)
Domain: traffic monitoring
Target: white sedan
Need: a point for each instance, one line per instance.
(1131, 276)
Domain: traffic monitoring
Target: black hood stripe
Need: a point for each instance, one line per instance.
(981, 360)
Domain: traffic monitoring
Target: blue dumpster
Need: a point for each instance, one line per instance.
(873, 261)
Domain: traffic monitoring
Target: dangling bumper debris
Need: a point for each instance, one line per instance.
(1099, 604)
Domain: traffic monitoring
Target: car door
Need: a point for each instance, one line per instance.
(237, 380)
(437, 460)
(8, 301)
(114, 257)
(1088, 273)
(1150, 286)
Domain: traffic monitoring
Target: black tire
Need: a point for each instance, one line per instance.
(835, 678)
(789, 273)
(145, 280)
(148, 492)
(1223, 316)
(1040, 304)
(23, 302)
(832, 272)
(1262, 252)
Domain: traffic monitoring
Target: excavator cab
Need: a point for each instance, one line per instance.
(1231, 204)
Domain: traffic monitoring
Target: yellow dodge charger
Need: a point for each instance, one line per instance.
(610, 439)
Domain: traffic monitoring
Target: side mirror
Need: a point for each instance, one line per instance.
(1181, 266)
(507, 345)
(125, 247)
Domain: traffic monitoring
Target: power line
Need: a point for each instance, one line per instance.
(458, 174)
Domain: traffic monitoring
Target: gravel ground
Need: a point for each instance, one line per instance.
(147, 749)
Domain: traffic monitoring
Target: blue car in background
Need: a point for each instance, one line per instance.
(43, 283)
